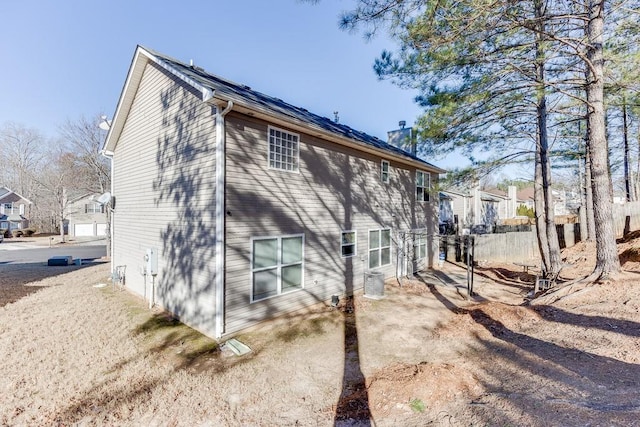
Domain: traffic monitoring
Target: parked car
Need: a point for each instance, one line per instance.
(1, 237)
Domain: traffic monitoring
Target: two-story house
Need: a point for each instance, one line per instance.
(86, 217)
(14, 210)
(234, 207)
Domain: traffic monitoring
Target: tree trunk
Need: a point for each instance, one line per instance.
(540, 211)
(554, 261)
(625, 137)
(607, 262)
(588, 186)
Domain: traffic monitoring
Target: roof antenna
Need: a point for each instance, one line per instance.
(335, 117)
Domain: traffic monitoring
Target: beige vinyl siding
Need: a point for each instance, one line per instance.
(76, 215)
(164, 185)
(336, 189)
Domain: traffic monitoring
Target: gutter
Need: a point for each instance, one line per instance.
(220, 213)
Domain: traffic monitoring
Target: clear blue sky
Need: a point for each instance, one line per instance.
(64, 59)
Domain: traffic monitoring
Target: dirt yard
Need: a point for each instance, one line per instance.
(75, 352)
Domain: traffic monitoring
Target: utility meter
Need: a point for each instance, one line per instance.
(151, 258)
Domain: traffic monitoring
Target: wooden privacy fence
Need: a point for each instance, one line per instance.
(523, 246)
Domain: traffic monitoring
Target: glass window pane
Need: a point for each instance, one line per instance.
(419, 194)
(265, 253)
(385, 239)
(291, 277)
(348, 250)
(374, 239)
(385, 256)
(423, 250)
(419, 179)
(291, 250)
(349, 237)
(265, 284)
(374, 258)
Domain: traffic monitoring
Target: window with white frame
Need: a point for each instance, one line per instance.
(348, 244)
(284, 150)
(423, 184)
(420, 246)
(384, 171)
(93, 208)
(379, 247)
(277, 265)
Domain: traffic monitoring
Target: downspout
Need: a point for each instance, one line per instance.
(109, 155)
(220, 214)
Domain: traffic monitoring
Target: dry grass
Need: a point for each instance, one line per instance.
(424, 355)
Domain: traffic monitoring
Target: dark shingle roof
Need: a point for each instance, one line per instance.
(230, 89)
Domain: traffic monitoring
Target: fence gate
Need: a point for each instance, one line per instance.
(412, 250)
(459, 250)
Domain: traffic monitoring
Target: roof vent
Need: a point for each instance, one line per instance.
(402, 124)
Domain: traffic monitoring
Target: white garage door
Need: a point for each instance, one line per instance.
(83, 230)
(101, 229)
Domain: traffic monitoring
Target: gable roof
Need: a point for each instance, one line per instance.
(7, 195)
(526, 194)
(246, 100)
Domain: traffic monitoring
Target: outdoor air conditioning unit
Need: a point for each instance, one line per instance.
(374, 285)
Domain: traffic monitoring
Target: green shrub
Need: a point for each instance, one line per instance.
(525, 211)
(5, 232)
(28, 232)
(17, 233)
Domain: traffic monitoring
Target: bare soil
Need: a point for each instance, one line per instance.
(425, 354)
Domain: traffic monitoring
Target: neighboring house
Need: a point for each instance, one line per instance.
(476, 210)
(86, 217)
(525, 197)
(564, 202)
(234, 207)
(14, 210)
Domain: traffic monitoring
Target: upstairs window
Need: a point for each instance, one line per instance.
(423, 183)
(384, 171)
(284, 150)
(93, 208)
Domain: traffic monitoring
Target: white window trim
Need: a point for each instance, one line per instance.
(426, 187)
(355, 244)
(379, 230)
(279, 266)
(382, 163)
(269, 129)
